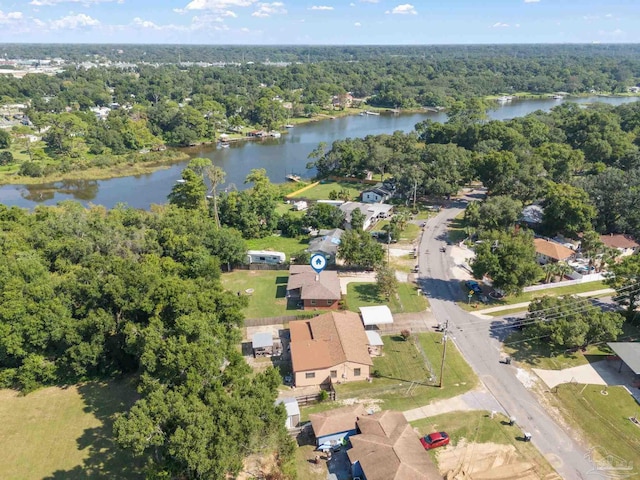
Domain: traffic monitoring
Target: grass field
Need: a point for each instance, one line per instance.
(478, 427)
(603, 419)
(322, 191)
(64, 433)
(456, 229)
(366, 295)
(270, 288)
(402, 364)
(276, 243)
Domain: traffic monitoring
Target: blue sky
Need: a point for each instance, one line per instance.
(320, 21)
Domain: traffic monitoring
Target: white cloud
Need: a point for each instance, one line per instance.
(321, 7)
(531, 1)
(499, 25)
(145, 24)
(268, 9)
(588, 18)
(352, 4)
(10, 17)
(613, 33)
(357, 24)
(72, 22)
(609, 15)
(517, 25)
(369, 1)
(86, 3)
(404, 9)
(217, 4)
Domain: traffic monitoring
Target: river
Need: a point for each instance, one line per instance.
(279, 157)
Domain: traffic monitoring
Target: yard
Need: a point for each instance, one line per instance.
(408, 235)
(277, 243)
(482, 443)
(402, 375)
(268, 298)
(366, 294)
(64, 433)
(323, 189)
(603, 419)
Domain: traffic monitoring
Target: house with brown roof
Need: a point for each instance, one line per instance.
(387, 448)
(334, 426)
(332, 347)
(625, 244)
(547, 251)
(316, 291)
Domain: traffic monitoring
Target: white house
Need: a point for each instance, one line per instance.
(266, 257)
(377, 194)
(373, 212)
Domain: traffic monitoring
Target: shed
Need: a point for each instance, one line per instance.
(378, 315)
(375, 343)
(293, 411)
(333, 427)
(262, 344)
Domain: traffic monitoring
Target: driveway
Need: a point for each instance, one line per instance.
(479, 399)
(604, 372)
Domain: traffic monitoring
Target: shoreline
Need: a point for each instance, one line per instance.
(183, 154)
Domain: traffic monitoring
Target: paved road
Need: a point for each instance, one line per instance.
(481, 348)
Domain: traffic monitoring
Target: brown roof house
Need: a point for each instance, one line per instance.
(329, 348)
(387, 448)
(623, 243)
(547, 251)
(334, 426)
(316, 291)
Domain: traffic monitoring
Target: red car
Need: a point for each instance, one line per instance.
(435, 440)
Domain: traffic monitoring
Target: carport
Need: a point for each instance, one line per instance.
(373, 316)
(629, 354)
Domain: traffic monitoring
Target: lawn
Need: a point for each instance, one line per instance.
(408, 374)
(529, 296)
(322, 191)
(283, 208)
(478, 427)
(603, 419)
(457, 229)
(366, 294)
(277, 243)
(408, 235)
(539, 353)
(269, 291)
(64, 433)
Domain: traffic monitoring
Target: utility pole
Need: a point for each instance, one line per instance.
(444, 351)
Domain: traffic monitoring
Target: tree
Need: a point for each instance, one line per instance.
(509, 259)
(357, 219)
(567, 210)
(6, 158)
(498, 212)
(624, 277)
(359, 248)
(190, 192)
(386, 281)
(5, 139)
(571, 322)
(324, 215)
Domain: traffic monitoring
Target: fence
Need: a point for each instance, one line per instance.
(263, 322)
(261, 266)
(304, 400)
(353, 180)
(585, 279)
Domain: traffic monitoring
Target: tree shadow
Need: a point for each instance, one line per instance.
(368, 293)
(105, 459)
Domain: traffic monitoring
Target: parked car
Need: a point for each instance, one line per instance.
(435, 440)
(474, 286)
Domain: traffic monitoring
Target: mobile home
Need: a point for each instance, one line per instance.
(265, 256)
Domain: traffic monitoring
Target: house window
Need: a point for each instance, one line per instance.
(310, 375)
(334, 374)
(329, 302)
(313, 302)
(356, 372)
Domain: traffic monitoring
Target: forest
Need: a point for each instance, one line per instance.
(181, 104)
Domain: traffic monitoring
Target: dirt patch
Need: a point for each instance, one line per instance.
(370, 404)
(483, 461)
(257, 466)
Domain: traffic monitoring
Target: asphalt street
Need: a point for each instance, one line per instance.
(480, 345)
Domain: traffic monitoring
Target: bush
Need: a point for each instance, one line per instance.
(6, 158)
(405, 334)
(31, 169)
(323, 396)
(376, 373)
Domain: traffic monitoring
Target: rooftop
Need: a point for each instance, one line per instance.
(389, 449)
(262, 340)
(314, 286)
(552, 249)
(629, 352)
(618, 240)
(376, 315)
(328, 340)
(336, 420)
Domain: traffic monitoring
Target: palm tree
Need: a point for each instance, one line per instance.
(550, 270)
(562, 269)
(216, 176)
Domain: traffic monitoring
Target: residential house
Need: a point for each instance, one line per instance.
(293, 411)
(329, 348)
(373, 212)
(376, 194)
(327, 243)
(547, 251)
(334, 426)
(387, 448)
(317, 291)
(625, 244)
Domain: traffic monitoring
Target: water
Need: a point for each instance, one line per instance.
(279, 157)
